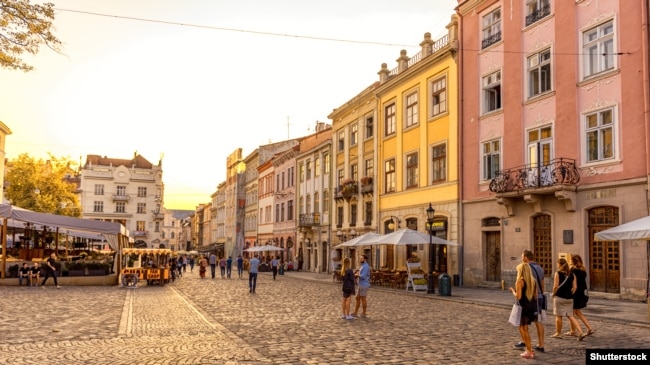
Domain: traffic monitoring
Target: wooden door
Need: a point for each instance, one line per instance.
(493, 256)
(604, 257)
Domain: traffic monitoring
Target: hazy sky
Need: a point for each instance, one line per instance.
(193, 80)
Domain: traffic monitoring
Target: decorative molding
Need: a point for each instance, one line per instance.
(535, 201)
(509, 204)
(593, 171)
(569, 198)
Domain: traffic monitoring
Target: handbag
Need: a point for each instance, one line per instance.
(515, 315)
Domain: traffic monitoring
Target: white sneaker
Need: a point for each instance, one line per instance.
(349, 317)
(343, 316)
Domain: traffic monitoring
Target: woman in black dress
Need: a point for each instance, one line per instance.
(526, 294)
(580, 297)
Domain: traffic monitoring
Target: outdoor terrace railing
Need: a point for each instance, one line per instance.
(308, 219)
(560, 171)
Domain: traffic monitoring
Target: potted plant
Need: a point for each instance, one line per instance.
(97, 268)
(366, 180)
(13, 271)
(76, 268)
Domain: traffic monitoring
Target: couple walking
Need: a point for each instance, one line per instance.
(349, 279)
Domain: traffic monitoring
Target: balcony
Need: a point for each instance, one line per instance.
(560, 177)
(158, 216)
(538, 14)
(490, 40)
(366, 185)
(309, 220)
(348, 189)
(121, 198)
(140, 233)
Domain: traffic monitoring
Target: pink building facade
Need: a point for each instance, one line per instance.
(554, 138)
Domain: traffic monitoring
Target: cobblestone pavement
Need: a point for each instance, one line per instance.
(288, 321)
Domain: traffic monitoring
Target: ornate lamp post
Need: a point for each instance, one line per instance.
(430, 287)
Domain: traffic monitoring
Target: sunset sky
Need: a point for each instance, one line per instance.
(194, 80)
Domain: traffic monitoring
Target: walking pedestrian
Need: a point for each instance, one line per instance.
(526, 294)
(274, 266)
(202, 267)
(240, 266)
(564, 286)
(229, 266)
(50, 270)
(538, 275)
(253, 268)
(184, 263)
(363, 286)
(191, 263)
(348, 288)
(222, 267)
(213, 264)
(580, 297)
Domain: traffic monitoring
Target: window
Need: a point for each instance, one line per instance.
(412, 110)
(412, 170)
(353, 215)
(369, 128)
(317, 166)
(98, 206)
(120, 207)
(121, 190)
(326, 162)
(142, 191)
(308, 169)
(156, 227)
(172, 235)
(282, 180)
(140, 226)
(389, 120)
(308, 205)
(438, 96)
(354, 134)
(539, 73)
(492, 92)
(277, 182)
(389, 171)
(290, 210)
(341, 141)
(316, 202)
(599, 128)
(439, 163)
(99, 189)
(301, 206)
(277, 212)
(326, 199)
(302, 172)
(290, 178)
(354, 172)
(369, 168)
(491, 28)
(142, 208)
(339, 177)
(339, 217)
(281, 212)
(536, 10)
(367, 214)
(598, 45)
(491, 159)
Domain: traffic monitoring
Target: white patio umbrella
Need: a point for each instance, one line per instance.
(264, 248)
(364, 239)
(408, 236)
(638, 229)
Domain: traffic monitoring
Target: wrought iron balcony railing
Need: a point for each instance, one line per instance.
(121, 197)
(490, 40)
(538, 14)
(308, 220)
(560, 171)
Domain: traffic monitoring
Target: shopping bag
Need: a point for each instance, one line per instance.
(515, 314)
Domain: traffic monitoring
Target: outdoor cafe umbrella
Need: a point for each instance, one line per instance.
(638, 229)
(408, 236)
(264, 248)
(364, 239)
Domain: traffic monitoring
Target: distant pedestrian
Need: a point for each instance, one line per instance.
(203, 263)
(348, 288)
(526, 294)
(50, 270)
(564, 286)
(274, 266)
(363, 286)
(222, 267)
(240, 266)
(253, 268)
(191, 263)
(580, 297)
(184, 263)
(229, 267)
(213, 264)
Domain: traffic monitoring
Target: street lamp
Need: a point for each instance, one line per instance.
(430, 287)
(392, 221)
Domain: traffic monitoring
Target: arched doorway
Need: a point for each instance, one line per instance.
(604, 257)
(543, 243)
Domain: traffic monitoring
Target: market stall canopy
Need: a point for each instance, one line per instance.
(364, 239)
(635, 230)
(146, 251)
(408, 236)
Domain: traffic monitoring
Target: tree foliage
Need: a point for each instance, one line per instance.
(24, 27)
(42, 186)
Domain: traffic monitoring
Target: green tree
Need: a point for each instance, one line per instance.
(24, 27)
(43, 186)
